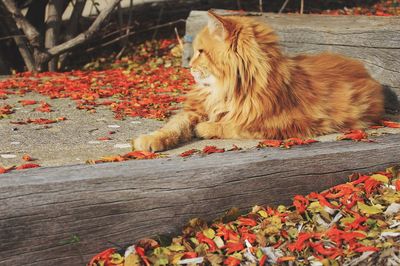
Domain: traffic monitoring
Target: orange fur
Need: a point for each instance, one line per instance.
(246, 88)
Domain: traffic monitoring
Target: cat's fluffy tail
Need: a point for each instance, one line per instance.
(392, 104)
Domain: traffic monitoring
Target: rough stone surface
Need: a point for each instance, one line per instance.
(74, 140)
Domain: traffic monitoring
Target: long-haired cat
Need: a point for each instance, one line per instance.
(246, 88)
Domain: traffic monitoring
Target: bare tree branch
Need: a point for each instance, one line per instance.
(81, 38)
(73, 23)
(21, 43)
(283, 6)
(72, 28)
(128, 29)
(30, 32)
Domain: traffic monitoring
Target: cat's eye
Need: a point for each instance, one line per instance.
(200, 51)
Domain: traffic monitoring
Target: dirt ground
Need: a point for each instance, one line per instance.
(76, 140)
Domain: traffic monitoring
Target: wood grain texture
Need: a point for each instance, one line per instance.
(373, 40)
(42, 209)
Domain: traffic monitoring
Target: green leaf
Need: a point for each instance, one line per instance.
(364, 208)
(176, 247)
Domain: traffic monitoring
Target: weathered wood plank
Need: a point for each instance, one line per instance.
(42, 209)
(373, 40)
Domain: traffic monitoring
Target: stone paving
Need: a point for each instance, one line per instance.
(76, 140)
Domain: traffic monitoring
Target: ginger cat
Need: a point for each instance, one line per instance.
(246, 88)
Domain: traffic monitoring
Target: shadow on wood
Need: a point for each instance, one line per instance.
(44, 211)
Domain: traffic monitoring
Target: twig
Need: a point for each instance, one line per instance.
(135, 32)
(301, 6)
(260, 5)
(11, 37)
(283, 6)
(178, 38)
(94, 5)
(158, 22)
(128, 29)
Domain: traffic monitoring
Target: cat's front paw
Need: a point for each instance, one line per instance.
(208, 130)
(148, 143)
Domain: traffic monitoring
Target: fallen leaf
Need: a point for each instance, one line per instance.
(27, 158)
(27, 165)
(391, 124)
(212, 149)
(27, 102)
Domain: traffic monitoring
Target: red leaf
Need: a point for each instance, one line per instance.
(300, 243)
(232, 247)
(397, 184)
(104, 256)
(27, 102)
(212, 149)
(141, 253)
(365, 248)
(263, 260)
(270, 143)
(140, 155)
(391, 124)
(356, 135)
(189, 255)
(41, 121)
(104, 138)
(246, 221)
(211, 244)
(231, 261)
(188, 153)
(322, 200)
(44, 107)
(300, 203)
(27, 165)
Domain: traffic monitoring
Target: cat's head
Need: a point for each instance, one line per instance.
(230, 50)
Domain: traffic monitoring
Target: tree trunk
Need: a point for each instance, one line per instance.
(20, 41)
(72, 26)
(53, 24)
(30, 32)
(4, 67)
(44, 57)
(36, 14)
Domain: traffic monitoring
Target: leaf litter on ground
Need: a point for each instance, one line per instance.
(355, 223)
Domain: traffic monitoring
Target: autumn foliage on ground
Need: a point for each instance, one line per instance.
(353, 223)
(148, 84)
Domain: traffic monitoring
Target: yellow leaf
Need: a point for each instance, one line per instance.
(263, 213)
(368, 209)
(176, 247)
(132, 260)
(381, 178)
(116, 258)
(176, 258)
(210, 233)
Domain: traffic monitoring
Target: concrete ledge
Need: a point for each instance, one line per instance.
(43, 210)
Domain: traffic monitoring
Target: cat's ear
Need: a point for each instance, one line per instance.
(217, 25)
